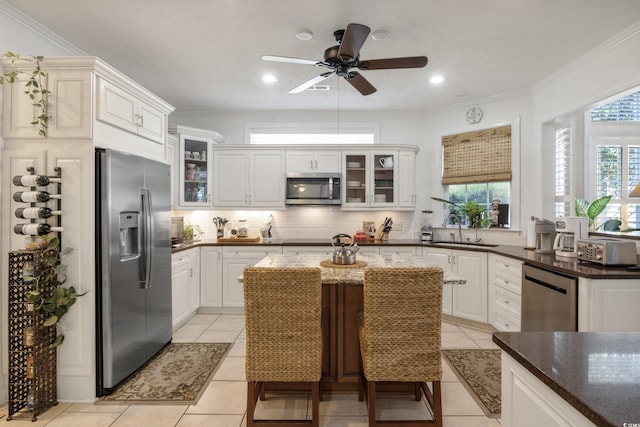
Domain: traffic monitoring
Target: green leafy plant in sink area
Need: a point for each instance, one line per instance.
(191, 232)
(477, 215)
(53, 272)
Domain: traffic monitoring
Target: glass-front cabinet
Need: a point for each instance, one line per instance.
(371, 179)
(194, 166)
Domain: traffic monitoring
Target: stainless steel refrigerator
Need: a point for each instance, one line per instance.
(133, 264)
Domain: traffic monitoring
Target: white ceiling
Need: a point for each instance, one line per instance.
(205, 54)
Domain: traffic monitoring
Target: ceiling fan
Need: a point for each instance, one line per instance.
(344, 58)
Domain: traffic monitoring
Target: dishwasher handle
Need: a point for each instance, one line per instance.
(546, 285)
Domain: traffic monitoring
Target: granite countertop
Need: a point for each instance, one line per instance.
(351, 274)
(569, 266)
(598, 373)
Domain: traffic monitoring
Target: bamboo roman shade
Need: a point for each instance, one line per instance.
(479, 156)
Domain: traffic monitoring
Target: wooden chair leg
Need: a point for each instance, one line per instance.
(252, 397)
(371, 403)
(436, 407)
(417, 392)
(315, 404)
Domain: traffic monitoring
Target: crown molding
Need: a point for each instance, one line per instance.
(35, 27)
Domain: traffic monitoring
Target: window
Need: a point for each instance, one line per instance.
(625, 109)
(563, 172)
(483, 193)
(618, 171)
(311, 134)
(477, 168)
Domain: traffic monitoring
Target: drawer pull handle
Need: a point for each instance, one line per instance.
(506, 302)
(506, 282)
(506, 325)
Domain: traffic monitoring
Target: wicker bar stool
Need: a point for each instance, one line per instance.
(400, 336)
(284, 334)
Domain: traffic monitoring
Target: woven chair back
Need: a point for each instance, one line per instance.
(283, 324)
(402, 324)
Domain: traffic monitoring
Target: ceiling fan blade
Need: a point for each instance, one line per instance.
(311, 82)
(361, 84)
(391, 63)
(352, 40)
(290, 60)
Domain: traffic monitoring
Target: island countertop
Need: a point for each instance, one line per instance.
(353, 274)
(598, 373)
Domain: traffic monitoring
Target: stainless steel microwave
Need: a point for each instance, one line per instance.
(313, 188)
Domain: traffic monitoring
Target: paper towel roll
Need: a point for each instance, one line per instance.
(531, 233)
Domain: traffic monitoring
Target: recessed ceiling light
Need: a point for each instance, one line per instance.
(304, 35)
(269, 78)
(436, 80)
(380, 35)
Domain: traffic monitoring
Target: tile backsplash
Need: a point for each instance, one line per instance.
(308, 222)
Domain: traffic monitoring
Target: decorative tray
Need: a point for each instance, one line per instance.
(327, 263)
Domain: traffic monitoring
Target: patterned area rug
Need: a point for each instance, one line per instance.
(178, 374)
(479, 371)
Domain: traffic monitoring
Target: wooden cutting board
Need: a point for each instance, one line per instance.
(249, 239)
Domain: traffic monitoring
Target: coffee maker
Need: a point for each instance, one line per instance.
(570, 229)
(545, 233)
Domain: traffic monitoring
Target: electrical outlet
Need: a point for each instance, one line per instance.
(397, 226)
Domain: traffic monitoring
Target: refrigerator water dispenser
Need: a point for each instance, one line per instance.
(129, 244)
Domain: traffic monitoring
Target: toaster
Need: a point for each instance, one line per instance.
(607, 251)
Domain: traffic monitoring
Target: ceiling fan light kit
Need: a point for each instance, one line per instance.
(343, 59)
(304, 35)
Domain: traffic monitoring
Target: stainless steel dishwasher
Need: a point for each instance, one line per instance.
(549, 300)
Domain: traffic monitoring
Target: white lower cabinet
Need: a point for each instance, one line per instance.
(234, 261)
(185, 285)
(505, 282)
(211, 276)
(468, 301)
(400, 250)
(528, 402)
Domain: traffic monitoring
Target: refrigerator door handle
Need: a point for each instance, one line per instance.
(145, 259)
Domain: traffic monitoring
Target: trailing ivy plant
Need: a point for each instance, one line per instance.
(52, 272)
(591, 210)
(34, 87)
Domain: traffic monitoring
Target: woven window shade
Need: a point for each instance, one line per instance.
(480, 156)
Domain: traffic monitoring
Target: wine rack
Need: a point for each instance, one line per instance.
(32, 359)
(57, 181)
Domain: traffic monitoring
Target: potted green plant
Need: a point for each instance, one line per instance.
(34, 87)
(476, 214)
(191, 232)
(591, 210)
(52, 272)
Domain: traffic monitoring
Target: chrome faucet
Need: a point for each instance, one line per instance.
(456, 218)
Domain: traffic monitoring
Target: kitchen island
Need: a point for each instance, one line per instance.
(342, 299)
(570, 378)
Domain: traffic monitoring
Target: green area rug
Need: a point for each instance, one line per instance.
(479, 371)
(178, 374)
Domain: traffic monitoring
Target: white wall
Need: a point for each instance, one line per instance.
(26, 38)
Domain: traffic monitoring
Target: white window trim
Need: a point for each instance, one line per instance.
(311, 127)
(516, 166)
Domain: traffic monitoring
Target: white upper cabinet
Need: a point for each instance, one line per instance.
(371, 179)
(193, 171)
(407, 196)
(119, 108)
(313, 161)
(83, 92)
(248, 178)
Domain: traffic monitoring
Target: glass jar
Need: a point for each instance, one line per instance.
(243, 229)
(191, 173)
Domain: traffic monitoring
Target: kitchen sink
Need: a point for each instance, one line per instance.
(464, 244)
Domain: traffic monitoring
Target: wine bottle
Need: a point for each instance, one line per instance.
(34, 196)
(43, 212)
(34, 229)
(34, 180)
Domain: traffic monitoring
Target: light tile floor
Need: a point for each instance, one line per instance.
(224, 401)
